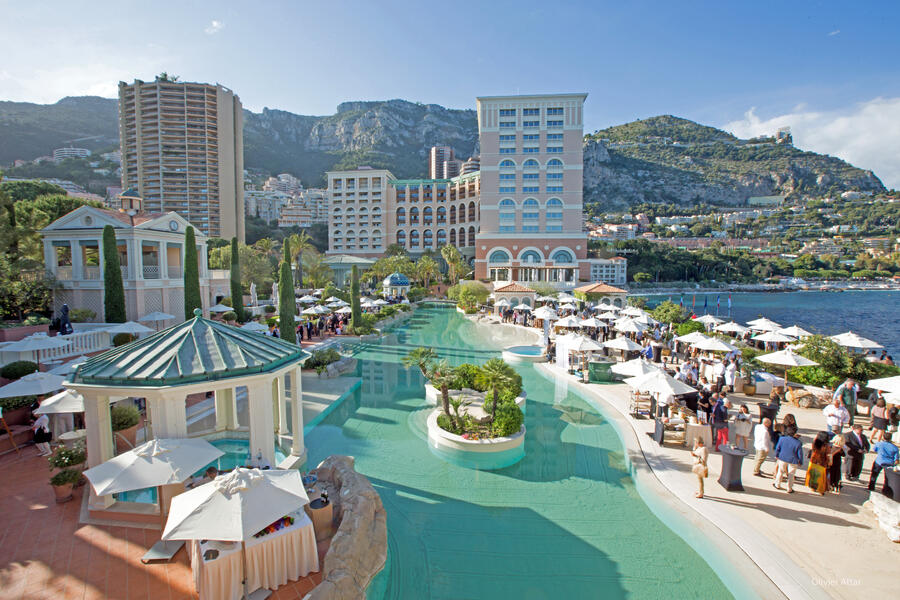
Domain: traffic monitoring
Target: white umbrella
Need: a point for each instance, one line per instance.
(709, 319)
(645, 319)
(629, 326)
(344, 310)
(545, 312)
(337, 304)
(886, 384)
(156, 316)
(254, 326)
(545, 299)
(154, 463)
(309, 311)
(787, 358)
(220, 308)
(522, 306)
(713, 345)
(35, 343)
(632, 311)
(731, 327)
(365, 305)
(772, 337)
(380, 302)
(568, 307)
(321, 310)
(763, 324)
(592, 322)
(582, 343)
(332, 299)
(659, 383)
(608, 316)
(848, 340)
(634, 368)
(570, 321)
(68, 367)
(129, 327)
(795, 331)
(307, 299)
(566, 298)
(33, 384)
(623, 343)
(235, 506)
(66, 401)
(502, 302)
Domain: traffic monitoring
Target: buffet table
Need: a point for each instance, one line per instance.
(272, 560)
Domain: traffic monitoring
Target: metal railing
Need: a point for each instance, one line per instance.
(64, 273)
(151, 272)
(91, 272)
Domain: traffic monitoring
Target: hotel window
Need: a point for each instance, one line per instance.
(531, 123)
(553, 228)
(555, 111)
(528, 150)
(507, 138)
(554, 189)
(507, 176)
(554, 164)
(507, 150)
(531, 138)
(507, 112)
(531, 176)
(508, 164)
(554, 176)
(530, 164)
(530, 229)
(531, 112)
(530, 210)
(554, 137)
(531, 190)
(554, 149)
(507, 190)
(507, 124)
(554, 123)
(554, 209)
(507, 228)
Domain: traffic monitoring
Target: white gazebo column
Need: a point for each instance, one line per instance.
(226, 412)
(99, 439)
(279, 404)
(169, 416)
(298, 449)
(262, 420)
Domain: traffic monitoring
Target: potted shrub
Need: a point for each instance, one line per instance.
(125, 419)
(749, 388)
(63, 482)
(17, 410)
(120, 339)
(230, 317)
(65, 458)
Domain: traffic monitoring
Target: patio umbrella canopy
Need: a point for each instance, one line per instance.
(786, 358)
(66, 401)
(731, 327)
(502, 302)
(566, 298)
(155, 463)
(580, 343)
(659, 383)
(763, 324)
(886, 384)
(254, 326)
(33, 384)
(629, 326)
(772, 337)
(569, 321)
(713, 345)
(692, 337)
(522, 307)
(307, 299)
(68, 367)
(129, 327)
(795, 331)
(608, 316)
(623, 343)
(220, 308)
(332, 299)
(709, 319)
(568, 307)
(848, 340)
(344, 310)
(156, 316)
(592, 322)
(632, 311)
(309, 311)
(546, 313)
(235, 506)
(36, 342)
(634, 368)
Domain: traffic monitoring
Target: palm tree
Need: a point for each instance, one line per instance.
(426, 269)
(453, 258)
(266, 246)
(421, 357)
(495, 374)
(318, 273)
(442, 376)
(300, 243)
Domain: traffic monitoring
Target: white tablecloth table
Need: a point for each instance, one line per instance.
(272, 561)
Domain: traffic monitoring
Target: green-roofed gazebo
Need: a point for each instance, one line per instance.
(197, 356)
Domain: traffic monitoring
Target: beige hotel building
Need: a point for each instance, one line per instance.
(183, 151)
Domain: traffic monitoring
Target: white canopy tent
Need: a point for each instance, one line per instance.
(659, 383)
(129, 327)
(220, 308)
(634, 368)
(763, 324)
(709, 320)
(795, 331)
(786, 358)
(33, 384)
(731, 327)
(772, 337)
(890, 385)
(853, 340)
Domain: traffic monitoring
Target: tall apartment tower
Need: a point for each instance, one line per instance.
(442, 163)
(531, 190)
(183, 150)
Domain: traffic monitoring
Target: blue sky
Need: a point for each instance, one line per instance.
(830, 68)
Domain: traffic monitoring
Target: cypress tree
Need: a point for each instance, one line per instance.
(237, 294)
(113, 289)
(355, 315)
(287, 304)
(192, 298)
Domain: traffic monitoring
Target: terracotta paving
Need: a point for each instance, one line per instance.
(46, 553)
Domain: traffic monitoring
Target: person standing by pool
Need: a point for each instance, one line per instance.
(855, 447)
(730, 374)
(719, 421)
(887, 455)
(846, 392)
(700, 468)
(879, 417)
(836, 416)
(837, 458)
(789, 454)
(762, 443)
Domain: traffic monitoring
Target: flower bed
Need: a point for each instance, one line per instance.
(483, 453)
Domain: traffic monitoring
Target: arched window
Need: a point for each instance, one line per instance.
(427, 238)
(442, 214)
(401, 216)
(462, 236)
(453, 237)
(462, 213)
(498, 257)
(562, 257)
(414, 215)
(349, 211)
(554, 164)
(531, 164)
(413, 239)
(531, 256)
(472, 216)
(427, 215)
(453, 215)
(363, 211)
(401, 237)
(507, 204)
(441, 237)
(351, 235)
(337, 210)
(471, 236)
(337, 233)
(507, 165)
(530, 204)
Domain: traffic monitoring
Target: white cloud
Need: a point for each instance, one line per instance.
(864, 135)
(214, 27)
(835, 32)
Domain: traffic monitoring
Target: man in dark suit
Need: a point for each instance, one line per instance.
(856, 444)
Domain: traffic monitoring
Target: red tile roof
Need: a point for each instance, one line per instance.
(599, 288)
(514, 288)
(131, 221)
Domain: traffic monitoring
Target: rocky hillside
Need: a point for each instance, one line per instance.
(675, 160)
(658, 159)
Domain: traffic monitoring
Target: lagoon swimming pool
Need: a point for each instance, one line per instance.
(564, 522)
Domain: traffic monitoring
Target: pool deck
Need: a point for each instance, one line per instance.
(809, 546)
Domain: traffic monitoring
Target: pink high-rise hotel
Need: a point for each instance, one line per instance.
(531, 189)
(517, 219)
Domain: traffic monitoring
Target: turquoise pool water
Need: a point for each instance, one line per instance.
(526, 350)
(565, 522)
(235, 455)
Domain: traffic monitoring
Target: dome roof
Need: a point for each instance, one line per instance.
(196, 350)
(396, 280)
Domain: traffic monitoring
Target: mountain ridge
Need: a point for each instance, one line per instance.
(662, 158)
